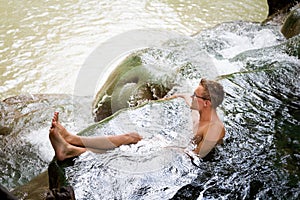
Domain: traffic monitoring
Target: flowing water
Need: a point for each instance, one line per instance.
(44, 44)
(259, 158)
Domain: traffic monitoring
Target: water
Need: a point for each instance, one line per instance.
(25, 147)
(43, 46)
(46, 42)
(130, 169)
(259, 111)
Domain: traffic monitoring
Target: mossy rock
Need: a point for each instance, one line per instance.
(291, 26)
(102, 102)
(130, 84)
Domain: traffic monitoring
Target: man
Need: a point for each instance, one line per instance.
(208, 128)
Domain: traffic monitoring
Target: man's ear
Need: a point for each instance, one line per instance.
(207, 103)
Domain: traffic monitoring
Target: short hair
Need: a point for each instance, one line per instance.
(213, 91)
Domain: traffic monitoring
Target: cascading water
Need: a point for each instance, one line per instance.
(260, 155)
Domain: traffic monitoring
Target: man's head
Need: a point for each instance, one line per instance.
(213, 91)
(208, 93)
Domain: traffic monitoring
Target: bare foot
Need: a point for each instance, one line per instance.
(63, 150)
(67, 136)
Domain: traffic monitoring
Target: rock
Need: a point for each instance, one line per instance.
(130, 85)
(5, 194)
(5, 130)
(56, 173)
(137, 86)
(102, 102)
(63, 193)
(36, 189)
(278, 11)
(58, 185)
(276, 6)
(291, 25)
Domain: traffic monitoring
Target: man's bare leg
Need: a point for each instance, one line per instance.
(96, 142)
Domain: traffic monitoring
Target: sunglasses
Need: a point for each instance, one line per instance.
(195, 95)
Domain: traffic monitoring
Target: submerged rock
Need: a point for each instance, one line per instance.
(292, 46)
(5, 130)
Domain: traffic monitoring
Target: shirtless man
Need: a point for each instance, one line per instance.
(207, 127)
(67, 145)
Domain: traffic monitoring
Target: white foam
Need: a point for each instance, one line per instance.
(226, 67)
(242, 43)
(40, 141)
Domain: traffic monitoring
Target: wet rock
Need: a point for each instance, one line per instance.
(5, 130)
(58, 185)
(291, 25)
(36, 189)
(102, 102)
(276, 6)
(103, 108)
(5, 194)
(64, 193)
(255, 187)
(136, 86)
(130, 85)
(278, 11)
(189, 191)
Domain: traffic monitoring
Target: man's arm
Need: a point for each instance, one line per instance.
(184, 96)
